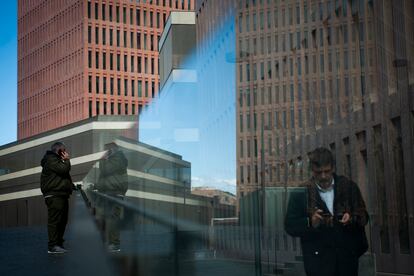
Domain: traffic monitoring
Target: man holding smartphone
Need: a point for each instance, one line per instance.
(56, 186)
(329, 218)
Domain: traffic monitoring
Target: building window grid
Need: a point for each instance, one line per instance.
(103, 11)
(97, 60)
(104, 60)
(125, 63)
(118, 88)
(125, 87)
(103, 40)
(89, 34)
(96, 35)
(89, 9)
(97, 85)
(125, 39)
(104, 85)
(104, 36)
(96, 11)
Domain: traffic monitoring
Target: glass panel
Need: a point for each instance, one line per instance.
(276, 139)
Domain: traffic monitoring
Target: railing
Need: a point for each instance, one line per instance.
(164, 239)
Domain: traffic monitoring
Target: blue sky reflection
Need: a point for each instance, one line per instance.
(198, 120)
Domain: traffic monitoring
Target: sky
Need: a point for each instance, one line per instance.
(198, 121)
(8, 72)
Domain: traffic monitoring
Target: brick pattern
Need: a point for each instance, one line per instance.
(82, 58)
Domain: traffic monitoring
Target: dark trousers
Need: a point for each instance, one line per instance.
(331, 263)
(57, 218)
(109, 215)
(113, 224)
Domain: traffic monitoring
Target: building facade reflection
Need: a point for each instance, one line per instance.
(248, 89)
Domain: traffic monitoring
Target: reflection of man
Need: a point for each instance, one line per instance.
(56, 185)
(330, 220)
(113, 181)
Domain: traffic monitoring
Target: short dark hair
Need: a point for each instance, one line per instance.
(111, 145)
(321, 157)
(57, 146)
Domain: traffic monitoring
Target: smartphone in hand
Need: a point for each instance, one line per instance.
(63, 154)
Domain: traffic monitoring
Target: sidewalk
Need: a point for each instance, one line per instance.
(24, 249)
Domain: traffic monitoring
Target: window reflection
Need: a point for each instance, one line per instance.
(247, 91)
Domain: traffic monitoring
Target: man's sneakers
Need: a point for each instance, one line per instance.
(56, 250)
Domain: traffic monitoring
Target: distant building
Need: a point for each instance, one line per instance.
(82, 58)
(157, 179)
(219, 195)
(176, 45)
(21, 202)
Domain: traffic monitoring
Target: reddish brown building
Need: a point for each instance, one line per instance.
(82, 58)
(338, 74)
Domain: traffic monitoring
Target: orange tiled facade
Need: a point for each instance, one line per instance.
(80, 58)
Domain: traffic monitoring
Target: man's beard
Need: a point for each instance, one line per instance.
(325, 184)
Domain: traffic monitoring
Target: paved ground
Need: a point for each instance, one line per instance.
(23, 250)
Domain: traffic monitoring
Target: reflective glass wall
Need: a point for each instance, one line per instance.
(280, 143)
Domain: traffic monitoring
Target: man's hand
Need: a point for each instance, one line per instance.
(346, 219)
(316, 218)
(65, 155)
(105, 156)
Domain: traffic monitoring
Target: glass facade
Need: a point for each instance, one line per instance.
(280, 140)
(244, 113)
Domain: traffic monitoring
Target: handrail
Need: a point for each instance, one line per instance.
(166, 220)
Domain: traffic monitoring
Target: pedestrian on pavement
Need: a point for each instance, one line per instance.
(329, 217)
(56, 186)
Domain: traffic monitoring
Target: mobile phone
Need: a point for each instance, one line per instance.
(60, 152)
(339, 217)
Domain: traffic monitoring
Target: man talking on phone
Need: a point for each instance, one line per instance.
(56, 186)
(329, 217)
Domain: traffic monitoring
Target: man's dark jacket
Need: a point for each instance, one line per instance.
(113, 178)
(55, 178)
(329, 245)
